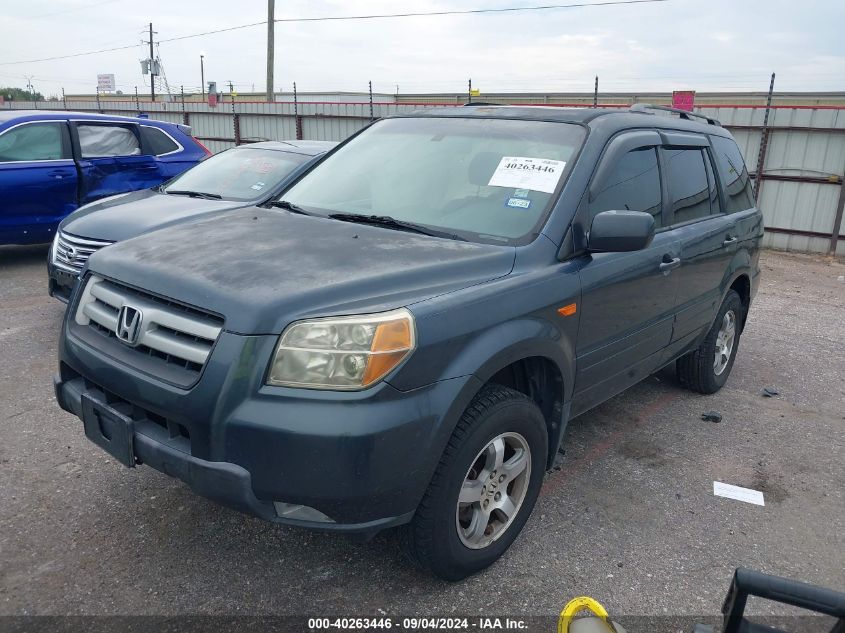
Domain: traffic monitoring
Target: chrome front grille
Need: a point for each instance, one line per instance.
(72, 252)
(161, 337)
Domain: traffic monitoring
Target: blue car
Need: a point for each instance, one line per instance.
(239, 177)
(51, 163)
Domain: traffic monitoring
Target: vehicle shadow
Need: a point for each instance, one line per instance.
(23, 254)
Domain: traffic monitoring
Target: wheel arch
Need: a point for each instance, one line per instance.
(541, 367)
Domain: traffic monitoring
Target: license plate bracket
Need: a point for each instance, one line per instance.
(109, 429)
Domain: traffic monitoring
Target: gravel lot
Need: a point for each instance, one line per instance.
(630, 519)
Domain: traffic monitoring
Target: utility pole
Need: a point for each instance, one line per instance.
(271, 22)
(152, 67)
(231, 87)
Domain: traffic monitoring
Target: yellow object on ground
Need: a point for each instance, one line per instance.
(601, 623)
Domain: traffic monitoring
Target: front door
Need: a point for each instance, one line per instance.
(38, 181)
(628, 299)
(111, 160)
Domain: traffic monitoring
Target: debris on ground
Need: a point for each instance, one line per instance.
(769, 392)
(711, 416)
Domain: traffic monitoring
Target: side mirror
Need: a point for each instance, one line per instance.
(620, 231)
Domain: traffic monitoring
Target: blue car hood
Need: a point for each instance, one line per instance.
(128, 215)
(262, 269)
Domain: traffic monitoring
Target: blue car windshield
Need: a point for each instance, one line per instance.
(241, 174)
(487, 180)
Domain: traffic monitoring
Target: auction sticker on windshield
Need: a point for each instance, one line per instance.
(519, 172)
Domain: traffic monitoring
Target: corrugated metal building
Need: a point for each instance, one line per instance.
(802, 187)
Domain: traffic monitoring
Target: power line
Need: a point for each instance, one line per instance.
(49, 59)
(545, 7)
(379, 16)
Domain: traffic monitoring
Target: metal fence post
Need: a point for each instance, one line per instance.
(837, 222)
(764, 142)
(99, 109)
(297, 121)
(137, 101)
(184, 113)
(596, 93)
(371, 101)
(236, 124)
(64, 98)
(469, 92)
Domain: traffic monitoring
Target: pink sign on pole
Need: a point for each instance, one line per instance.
(683, 99)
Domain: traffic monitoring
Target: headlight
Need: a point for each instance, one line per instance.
(343, 353)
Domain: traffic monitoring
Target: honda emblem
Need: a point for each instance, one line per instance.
(128, 328)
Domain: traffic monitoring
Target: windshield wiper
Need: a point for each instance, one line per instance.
(194, 194)
(392, 223)
(290, 206)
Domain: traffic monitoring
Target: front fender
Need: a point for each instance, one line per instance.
(509, 342)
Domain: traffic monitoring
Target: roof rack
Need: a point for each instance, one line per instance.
(646, 108)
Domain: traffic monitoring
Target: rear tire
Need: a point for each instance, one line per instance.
(484, 487)
(706, 369)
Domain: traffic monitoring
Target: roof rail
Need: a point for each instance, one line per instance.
(646, 108)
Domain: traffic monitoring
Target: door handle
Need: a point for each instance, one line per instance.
(729, 240)
(667, 266)
(58, 174)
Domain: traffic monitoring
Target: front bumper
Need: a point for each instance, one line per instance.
(362, 460)
(60, 282)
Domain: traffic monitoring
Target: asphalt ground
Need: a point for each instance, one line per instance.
(630, 518)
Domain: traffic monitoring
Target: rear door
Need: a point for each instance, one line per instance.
(38, 180)
(628, 299)
(707, 235)
(111, 159)
(169, 154)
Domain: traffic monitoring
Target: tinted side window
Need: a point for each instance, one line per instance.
(158, 142)
(715, 205)
(107, 140)
(633, 184)
(688, 187)
(733, 173)
(34, 141)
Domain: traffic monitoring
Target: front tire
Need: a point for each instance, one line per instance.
(484, 488)
(706, 369)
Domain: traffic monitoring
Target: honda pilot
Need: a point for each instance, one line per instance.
(401, 337)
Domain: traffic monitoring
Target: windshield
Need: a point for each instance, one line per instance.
(238, 174)
(485, 179)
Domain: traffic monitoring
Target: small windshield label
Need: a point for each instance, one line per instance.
(520, 172)
(518, 203)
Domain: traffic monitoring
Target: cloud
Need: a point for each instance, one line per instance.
(663, 46)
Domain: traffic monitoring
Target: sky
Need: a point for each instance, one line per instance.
(717, 45)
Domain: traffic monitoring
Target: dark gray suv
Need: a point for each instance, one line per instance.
(401, 338)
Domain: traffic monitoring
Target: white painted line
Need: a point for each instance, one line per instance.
(736, 492)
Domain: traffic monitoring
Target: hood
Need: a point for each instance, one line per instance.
(262, 269)
(127, 215)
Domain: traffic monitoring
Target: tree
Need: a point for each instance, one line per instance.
(19, 94)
